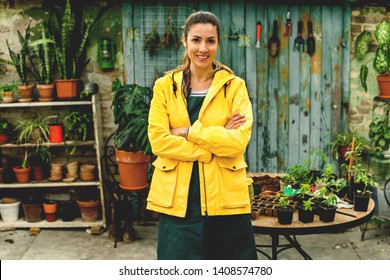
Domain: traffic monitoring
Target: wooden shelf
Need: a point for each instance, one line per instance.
(45, 104)
(78, 222)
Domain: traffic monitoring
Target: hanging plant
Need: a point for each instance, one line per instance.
(152, 41)
(170, 37)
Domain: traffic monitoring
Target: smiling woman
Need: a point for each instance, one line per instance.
(199, 126)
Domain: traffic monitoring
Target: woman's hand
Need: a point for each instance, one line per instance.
(180, 131)
(235, 121)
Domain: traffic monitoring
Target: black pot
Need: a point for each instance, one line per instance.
(326, 214)
(69, 210)
(305, 216)
(360, 202)
(285, 215)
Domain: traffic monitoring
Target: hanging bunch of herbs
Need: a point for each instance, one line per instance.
(170, 37)
(152, 41)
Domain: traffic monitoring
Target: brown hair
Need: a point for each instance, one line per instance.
(205, 18)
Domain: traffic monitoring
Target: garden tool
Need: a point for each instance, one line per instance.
(273, 42)
(299, 42)
(288, 31)
(258, 34)
(310, 42)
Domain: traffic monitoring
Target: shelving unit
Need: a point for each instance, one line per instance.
(96, 144)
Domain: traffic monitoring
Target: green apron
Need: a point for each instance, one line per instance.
(198, 237)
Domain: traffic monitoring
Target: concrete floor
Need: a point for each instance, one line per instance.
(77, 244)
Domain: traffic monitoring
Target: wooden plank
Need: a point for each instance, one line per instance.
(283, 106)
(223, 12)
(346, 65)
(316, 142)
(304, 91)
(326, 74)
(336, 68)
(237, 49)
(262, 96)
(138, 52)
(273, 78)
(128, 43)
(250, 78)
(293, 156)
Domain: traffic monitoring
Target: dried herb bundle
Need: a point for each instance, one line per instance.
(170, 37)
(152, 40)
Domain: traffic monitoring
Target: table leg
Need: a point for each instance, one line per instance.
(294, 242)
(275, 245)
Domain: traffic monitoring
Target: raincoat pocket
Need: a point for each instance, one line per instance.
(163, 183)
(234, 188)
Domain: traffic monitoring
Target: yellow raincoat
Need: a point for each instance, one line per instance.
(219, 152)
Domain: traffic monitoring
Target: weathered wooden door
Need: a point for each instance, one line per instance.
(297, 98)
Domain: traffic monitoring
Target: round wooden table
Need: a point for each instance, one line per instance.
(269, 225)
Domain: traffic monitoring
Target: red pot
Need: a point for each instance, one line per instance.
(56, 133)
(3, 138)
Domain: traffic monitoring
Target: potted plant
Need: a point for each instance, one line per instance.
(379, 133)
(19, 61)
(363, 193)
(306, 211)
(340, 144)
(338, 186)
(70, 33)
(298, 174)
(7, 92)
(131, 104)
(382, 57)
(326, 175)
(303, 194)
(327, 208)
(285, 210)
(77, 128)
(6, 129)
(34, 130)
(22, 171)
(43, 57)
(39, 161)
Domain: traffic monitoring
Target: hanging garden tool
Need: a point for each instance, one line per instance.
(258, 34)
(274, 42)
(299, 42)
(310, 42)
(170, 37)
(288, 31)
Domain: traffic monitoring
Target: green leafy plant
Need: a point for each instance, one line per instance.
(382, 57)
(300, 173)
(43, 57)
(304, 190)
(34, 129)
(336, 185)
(327, 174)
(379, 133)
(131, 104)
(283, 202)
(8, 87)
(71, 33)
(77, 128)
(341, 139)
(308, 204)
(5, 126)
(367, 179)
(330, 200)
(19, 60)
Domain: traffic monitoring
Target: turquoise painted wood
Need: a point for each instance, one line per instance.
(299, 101)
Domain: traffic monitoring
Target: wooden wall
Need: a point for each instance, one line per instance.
(299, 101)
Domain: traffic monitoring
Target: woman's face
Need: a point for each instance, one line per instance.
(202, 45)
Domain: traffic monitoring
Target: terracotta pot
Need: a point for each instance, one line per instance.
(56, 133)
(133, 170)
(89, 209)
(26, 93)
(22, 174)
(384, 85)
(8, 97)
(67, 89)
(50, 210)
(46, 92)
(37, 172)
(32, 212)
(4, 138)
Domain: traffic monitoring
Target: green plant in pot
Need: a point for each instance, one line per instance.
(298, 173)
(7, 92)
(306, 211)
(327, 208)
(366, 183)
(78, 127)
(381, 61)
(70, 32)
(34, 130)
(19, 61)
(6, 129)
(285, 210)
(43, 57)
(379, 133)
(130, 106)
(340, 144)
(338, 186)
(22, 171)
